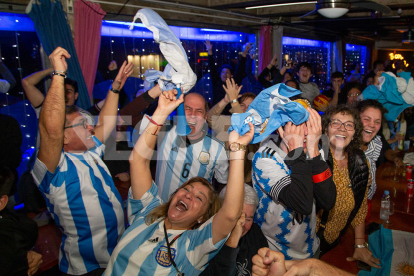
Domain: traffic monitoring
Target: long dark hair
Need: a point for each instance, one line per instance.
(345, 110)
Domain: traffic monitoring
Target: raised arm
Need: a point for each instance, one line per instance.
(141, 179)
(52, 115)
(214, 74)
(225, 220)
(108, 115)
(241, 66)
(337, 89)
(29, 83)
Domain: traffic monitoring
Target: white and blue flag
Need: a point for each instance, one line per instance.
(395, 249)
(172, 51)
(268, 111)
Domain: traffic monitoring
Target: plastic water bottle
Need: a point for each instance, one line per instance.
(385, 205)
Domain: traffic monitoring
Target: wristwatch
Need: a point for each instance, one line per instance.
(364, 245)
(236, 147)
(233, 101)
(114, 90)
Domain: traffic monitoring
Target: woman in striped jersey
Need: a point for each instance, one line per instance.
(182, 235)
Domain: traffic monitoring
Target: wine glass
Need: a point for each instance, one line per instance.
(390, 212)
(395, 175)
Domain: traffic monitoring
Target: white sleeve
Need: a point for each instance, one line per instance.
(408, 95)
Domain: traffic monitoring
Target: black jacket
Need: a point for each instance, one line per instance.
(358, 175)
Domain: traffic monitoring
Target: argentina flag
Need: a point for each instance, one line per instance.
(395, 249)
(172, 51)
(268, 111)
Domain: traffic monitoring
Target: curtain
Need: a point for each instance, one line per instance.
(53, 30)
(265, 47)
(339, 55)
(277, 44)
(88, 23)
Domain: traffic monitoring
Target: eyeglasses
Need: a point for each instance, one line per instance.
(335, 124)
(354, 95)
(83, 123)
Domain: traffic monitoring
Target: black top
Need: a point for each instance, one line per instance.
(17, 235)
(218, 90)
(237, 261)
(299, 194)
(277, 77)
(385, 146)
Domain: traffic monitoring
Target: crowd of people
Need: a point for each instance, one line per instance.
(208, 203)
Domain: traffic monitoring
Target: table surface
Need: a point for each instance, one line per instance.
(402, 219)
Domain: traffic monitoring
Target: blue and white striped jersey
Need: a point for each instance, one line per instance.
(178, 161)
(142, 249)
(372, 153)
(85, 205)
(283, 232)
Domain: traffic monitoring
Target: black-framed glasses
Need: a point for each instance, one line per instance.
(337, 124)
(83, 123)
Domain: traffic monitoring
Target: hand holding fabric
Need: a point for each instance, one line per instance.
(365, 255)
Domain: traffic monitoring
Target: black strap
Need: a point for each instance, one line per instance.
(169, 249)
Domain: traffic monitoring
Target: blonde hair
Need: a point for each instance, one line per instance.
(214, 203)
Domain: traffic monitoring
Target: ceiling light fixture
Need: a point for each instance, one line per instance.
(280, 5)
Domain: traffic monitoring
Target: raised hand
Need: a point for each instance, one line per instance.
(112, 65)
(168, 101)
(273, 62)
(234, 137)
(314, 126)
(232, 90)
(209, 47)
(58, 59)
(124, 72)
(248, 47)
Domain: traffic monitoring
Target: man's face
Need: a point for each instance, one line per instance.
(380, 67)
(245, 104)
(70, 95)
(196, 114)
(304, 74)
(337, 81)
(225, 74)
(78, 138)
(249, 212)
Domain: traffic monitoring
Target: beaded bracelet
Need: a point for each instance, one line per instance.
(152, 133)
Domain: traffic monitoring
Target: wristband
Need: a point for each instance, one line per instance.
(58, 74)
(114, 90)
(322, 176)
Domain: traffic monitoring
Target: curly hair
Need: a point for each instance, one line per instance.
(345, 110)
(365, 104)
(214, 203)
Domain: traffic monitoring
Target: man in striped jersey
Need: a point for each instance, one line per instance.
(76, 184)
(197, 154)
(292, 179)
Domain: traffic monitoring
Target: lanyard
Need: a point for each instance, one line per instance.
(169, 249)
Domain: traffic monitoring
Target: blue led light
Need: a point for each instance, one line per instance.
(18, 207)
(16, 22)
(294, 41)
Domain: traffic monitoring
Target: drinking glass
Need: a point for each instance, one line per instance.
(390, 212)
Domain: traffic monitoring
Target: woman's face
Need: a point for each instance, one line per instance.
(371, 121)
(341, 131)
(189, 205)
(352, 96)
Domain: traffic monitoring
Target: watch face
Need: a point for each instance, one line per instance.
(234, 146)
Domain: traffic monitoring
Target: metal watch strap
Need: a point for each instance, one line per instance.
(364, 245)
